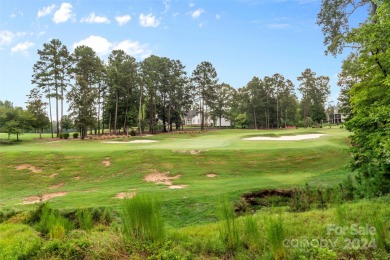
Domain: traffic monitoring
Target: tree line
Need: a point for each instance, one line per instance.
(157, 93)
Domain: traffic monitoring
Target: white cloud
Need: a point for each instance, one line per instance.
(279, 26)
(218, 16)
(99, 44)
(191, 4)
(22, 47)
(6, 37)
(133, 48)
(195, 14)
(102, 46)
(148, 20)
(93, 18)
(63, 14)
(166, 6)
(46, 10)
(122, 20)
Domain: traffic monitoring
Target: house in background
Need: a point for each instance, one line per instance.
(193, 119)
(335, 116)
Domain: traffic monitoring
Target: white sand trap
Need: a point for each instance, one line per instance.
(284, 138)
(131, 142)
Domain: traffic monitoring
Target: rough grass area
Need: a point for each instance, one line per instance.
(97, 172)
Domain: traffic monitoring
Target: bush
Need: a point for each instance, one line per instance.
(18, 241)
(65, 135)
(61, 135)
(84, 218)
(53, 223)
(75, 135)
(132, 132)
(142, 219)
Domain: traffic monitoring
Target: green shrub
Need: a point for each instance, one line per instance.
(18, 241)
(52, 223)
(75, 135)
(132, 132)
(142, 219)
(61, 135)
(65, 135)
(301, 200)
(84, 218)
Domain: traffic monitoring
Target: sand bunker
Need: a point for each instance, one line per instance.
(37, 199)
(125, 195)
(284, 138)
(131, 142)
(30, 167)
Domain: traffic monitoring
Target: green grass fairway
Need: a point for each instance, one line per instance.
(77, 167)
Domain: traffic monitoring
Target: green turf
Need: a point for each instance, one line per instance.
(240, 166)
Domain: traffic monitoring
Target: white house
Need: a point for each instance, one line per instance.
(193, 119)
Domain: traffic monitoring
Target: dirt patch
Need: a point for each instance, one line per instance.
(193, 152)
(45, 197)
(76, 178)
(106, 162)
(173, 187)
(56, 186)
(163, 178)
(211, 175)
(53, 175)
(30, 167)
(125, 195)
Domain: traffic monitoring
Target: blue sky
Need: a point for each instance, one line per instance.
(241, 38)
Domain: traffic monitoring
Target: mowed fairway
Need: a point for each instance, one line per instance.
(205, 168)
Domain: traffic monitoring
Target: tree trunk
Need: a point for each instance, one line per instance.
(58, 121)
(255, 117)
(140, 113)
(277, 112)
(116, 112)
(51, 118)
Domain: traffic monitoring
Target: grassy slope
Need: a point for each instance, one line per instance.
(240, 166)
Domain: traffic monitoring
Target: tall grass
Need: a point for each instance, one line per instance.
(142, 219)
(252, 236)
(85, 219)
(228, 229)
(275, 231)
(52, 223)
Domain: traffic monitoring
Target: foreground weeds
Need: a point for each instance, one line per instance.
(139, 232)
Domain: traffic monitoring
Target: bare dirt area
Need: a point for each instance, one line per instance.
(30, 167)
(193, 152)
(56, 186)
(106, 162)
(211, 175)
(53, 175)
(45, 197)
(125, 195)
(163, 178)
(174, 187)
(284, 138)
